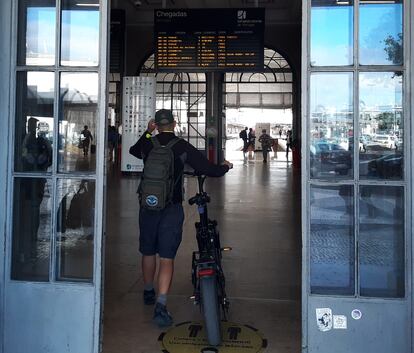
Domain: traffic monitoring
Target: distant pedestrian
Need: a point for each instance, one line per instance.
(112, 141)
(266, 142)
(288, 142)
(243, 136)
(280, 133)
(251, 140)
(86, 138)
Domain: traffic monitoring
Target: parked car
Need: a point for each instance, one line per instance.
(386, 141)
(328, 157)
(387, 166)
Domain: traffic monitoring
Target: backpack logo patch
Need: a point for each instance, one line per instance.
(152, 200)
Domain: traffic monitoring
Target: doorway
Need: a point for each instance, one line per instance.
(257, 210)
(259, 101)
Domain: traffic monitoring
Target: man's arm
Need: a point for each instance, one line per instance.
(144, 143)
(202, 165)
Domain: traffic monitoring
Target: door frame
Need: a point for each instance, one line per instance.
(8, 44)
(304, 181)
(5, 73)
(408, 108)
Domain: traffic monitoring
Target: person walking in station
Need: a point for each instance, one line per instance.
(161, 213)
(243, 136)
(266, 142)
(288, 143)
(251, 142)
(86, 139)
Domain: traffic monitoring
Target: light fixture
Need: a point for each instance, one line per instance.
(88, 5)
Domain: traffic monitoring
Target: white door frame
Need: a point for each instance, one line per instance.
(92, 293)
(408, 104)
(5, 45)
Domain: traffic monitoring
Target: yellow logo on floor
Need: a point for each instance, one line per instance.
(190, 337)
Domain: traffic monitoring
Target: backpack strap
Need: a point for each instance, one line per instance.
(170, 145)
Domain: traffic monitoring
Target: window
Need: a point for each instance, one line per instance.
(356, 160)
(54, 143)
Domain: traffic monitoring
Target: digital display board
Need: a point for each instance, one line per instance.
(209, 39)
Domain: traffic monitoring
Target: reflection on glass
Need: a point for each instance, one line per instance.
(77, 122)
(80, 33)
(36, 33)
(75, 229)
(380, 33)
(331, 126)
(31, 229)
(332, 240)
(381, 149)
(34, 122)
(381, 241)
(332, 33)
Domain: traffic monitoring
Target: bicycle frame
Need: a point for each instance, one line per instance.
(207, 260)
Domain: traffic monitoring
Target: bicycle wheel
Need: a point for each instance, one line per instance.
(211, 310)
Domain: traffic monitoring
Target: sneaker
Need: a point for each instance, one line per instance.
(149, 297)
(161, 316)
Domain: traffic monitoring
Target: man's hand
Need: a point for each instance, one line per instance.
(151, 125)
(230, 165)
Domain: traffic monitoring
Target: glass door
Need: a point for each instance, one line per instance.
(57, 175)
(356, 177)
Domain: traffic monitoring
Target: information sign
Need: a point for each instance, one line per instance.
(209, 39)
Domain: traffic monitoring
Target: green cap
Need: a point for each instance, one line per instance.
(164, 117)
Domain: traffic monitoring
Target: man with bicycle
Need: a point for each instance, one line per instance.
(161, 229)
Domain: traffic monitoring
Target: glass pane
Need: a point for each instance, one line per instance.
(381, 241)
(80, 33)
(77, 122)
(331, 126)
(332, 246)
(36, 33)
(34, 122)
(381, 140)
(380, 34)
(332, 33)
(75, 229)
(31, 229)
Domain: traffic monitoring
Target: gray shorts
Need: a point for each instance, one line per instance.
(161, 231)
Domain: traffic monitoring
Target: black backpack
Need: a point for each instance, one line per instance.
(157, 184)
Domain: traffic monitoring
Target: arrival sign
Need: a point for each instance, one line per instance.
(209, 39)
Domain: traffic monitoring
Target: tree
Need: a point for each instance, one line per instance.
(394, 49)
(386, 121)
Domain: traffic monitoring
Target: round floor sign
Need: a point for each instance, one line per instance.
(190, 337)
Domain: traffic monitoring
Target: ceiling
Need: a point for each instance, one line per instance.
(140, 12)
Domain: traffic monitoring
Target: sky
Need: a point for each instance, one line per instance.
(80, 33)
(332, 33)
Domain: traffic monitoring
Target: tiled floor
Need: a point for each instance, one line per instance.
(258, 212)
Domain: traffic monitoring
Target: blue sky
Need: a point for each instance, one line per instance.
(332, 33)
(80, 32)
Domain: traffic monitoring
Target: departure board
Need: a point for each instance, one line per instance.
(209, 39)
